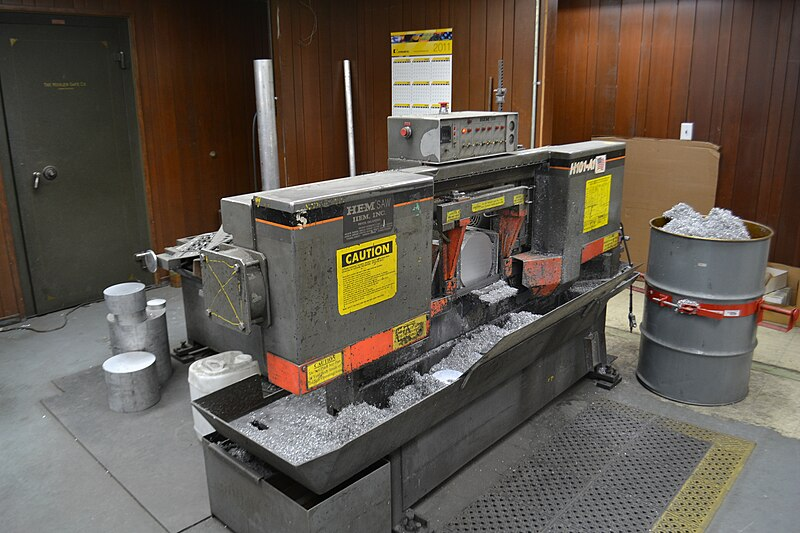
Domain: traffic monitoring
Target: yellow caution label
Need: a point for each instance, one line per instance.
(324, 370)
(488, 204)
(519, 199)
(598, 199)
(408, 332)
(610, 241)
(454, 215)
(366, 273)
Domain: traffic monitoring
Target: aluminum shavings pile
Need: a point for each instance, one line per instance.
(300, 429)
(718, 224)
(520, 320)
(243, 456)
(471, 346)
(584, 286)
(496, 292)
(422, 386)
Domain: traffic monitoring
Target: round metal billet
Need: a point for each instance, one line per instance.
(132, 381)
(156, 304)
(127, 362)
(125, 298)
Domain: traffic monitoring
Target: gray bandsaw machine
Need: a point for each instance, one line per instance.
(356, 293)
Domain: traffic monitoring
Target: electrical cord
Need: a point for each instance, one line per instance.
(308, 39)
(631, 316)
(28, 327)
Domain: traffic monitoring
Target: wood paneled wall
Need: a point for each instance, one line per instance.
(11, 298)
(310, 41)
(641, 67)
(195, 91)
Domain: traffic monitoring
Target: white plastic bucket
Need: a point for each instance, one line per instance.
(213, 373)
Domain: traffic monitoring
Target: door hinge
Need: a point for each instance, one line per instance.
(119, 57)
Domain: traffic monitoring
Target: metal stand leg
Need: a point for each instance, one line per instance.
(604, 373)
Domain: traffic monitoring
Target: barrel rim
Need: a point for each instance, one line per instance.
(754, 228)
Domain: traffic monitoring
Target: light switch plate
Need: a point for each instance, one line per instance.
(687, 130)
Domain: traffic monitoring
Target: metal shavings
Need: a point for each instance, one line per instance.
(520, 320)
(208, 241)
(718, 224)
(300, 429)
(496, 292)
(243, 456)
(584, 286)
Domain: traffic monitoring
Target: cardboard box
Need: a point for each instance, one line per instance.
(775, 279)
(779, 297)
(793, 283)
(660, 173)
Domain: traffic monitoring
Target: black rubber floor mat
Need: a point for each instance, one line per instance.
(614, 468)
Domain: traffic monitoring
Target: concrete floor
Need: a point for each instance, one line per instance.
(49, 481)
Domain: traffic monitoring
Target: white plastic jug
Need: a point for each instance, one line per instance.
(213, 373)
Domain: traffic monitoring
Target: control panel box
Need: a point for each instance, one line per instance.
(449, 137)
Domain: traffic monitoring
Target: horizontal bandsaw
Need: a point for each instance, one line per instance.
(354, 293)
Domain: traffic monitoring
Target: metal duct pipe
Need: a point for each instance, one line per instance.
(348, 103)
(267, 128)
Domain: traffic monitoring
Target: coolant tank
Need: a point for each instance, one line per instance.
(214, 373)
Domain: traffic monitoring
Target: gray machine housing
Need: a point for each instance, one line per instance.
(438, 435)
(307, 322)
(560, 200)
(449, 137)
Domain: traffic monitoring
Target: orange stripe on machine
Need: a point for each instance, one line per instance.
(300, 379)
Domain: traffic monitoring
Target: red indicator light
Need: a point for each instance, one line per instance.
(463, 130)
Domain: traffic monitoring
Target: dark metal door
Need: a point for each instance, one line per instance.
(73, 142)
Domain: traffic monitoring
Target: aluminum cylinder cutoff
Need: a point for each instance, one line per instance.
(136, 324)
(132, 382)
(126, 301)
(702, 298)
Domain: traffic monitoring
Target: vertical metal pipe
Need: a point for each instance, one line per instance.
(267, 128)
(534, 110)
(348, 103)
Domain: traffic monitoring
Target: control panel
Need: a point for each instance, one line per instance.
(451, 137)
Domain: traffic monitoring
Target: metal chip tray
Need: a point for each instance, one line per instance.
(506, 359)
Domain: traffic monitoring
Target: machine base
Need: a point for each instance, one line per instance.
(605, 375)
(246, 499)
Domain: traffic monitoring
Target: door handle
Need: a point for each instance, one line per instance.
(36, 177)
